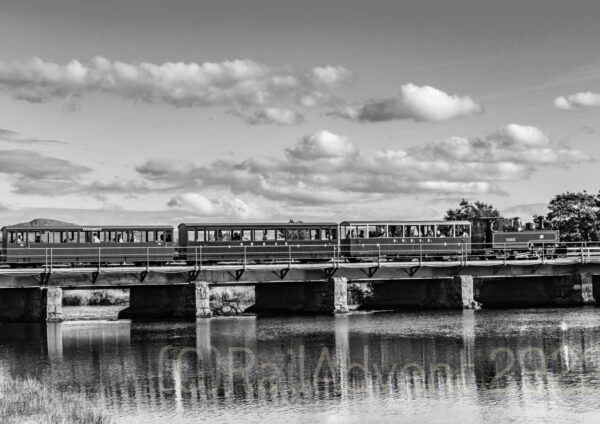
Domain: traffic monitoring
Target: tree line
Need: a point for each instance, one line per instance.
(575, 215)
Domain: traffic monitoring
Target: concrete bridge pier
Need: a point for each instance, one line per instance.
(321, 297)
(40, 304)
(442, 293)
(172, 301)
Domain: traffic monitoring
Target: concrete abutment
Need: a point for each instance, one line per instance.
(320, 297)
(41, 304)
(172, 301)
(443, 293)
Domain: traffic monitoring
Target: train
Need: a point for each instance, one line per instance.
(302, 242)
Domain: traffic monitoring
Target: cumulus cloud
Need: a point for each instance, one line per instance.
(326, 168)
(270, 116)
(32, 172)
(419, 103)
(205, 207)
(234, 82)
(577, 100)
(322, 144)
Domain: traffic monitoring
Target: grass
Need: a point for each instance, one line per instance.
(107, 297)
(245, 295)
(27, 400)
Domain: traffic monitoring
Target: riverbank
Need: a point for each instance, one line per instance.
(29, 400)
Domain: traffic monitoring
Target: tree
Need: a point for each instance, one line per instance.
(576, 216)
(467, 211)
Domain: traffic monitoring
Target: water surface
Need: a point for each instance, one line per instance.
(526, 366)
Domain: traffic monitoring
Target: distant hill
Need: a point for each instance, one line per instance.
(42, 222)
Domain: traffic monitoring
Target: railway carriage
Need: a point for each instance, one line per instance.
(87, 245)
(257, 242)
(404, 240)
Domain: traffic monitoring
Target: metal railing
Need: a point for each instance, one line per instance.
(298, 253)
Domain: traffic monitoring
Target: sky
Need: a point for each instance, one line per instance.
(146, 111)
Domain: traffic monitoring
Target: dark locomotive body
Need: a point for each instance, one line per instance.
(501, 236)
(87, 245)
(260, 243)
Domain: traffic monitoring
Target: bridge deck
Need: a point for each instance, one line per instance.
(123, 276)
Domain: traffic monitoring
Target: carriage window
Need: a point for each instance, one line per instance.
(191, 235)
(160, 236)
(463, 231)
(236, 235)
(281, 234)
(150, 236)
(362, 231)
(379, 231)
(201, 236)
(137, 237)
(412, 231)
(246, 235)
(395, 231)
(315, 234)
(264, 235)
(169, 236)
(444, 231)
(427, 230)
(144, 236)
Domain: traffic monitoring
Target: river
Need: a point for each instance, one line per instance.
(526, 366)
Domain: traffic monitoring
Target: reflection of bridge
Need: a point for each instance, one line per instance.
(210, 365)
(179, 290)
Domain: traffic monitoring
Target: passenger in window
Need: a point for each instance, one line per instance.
(414, 231)
(265, 236)
(38, 239)
(361, 234)
(95, 238)
(119, 239)
(169, 239)
(19, 238)
(381, 233)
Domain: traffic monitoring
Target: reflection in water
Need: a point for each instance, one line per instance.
(467, 366)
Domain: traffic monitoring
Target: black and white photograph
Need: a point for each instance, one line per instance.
(299, 211)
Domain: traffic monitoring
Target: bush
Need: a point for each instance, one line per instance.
(95, 297)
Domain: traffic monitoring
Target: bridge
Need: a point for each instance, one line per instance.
(178, 290)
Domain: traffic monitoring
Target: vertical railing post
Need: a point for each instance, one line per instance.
(290, 256)
(99, 258)
(200, 258)
(50, 259)
(378, 254)
(244, 257)
(420, 254)
(147, 258)
(196, 257)
(46, 259)
(581, 252)
(504, 253)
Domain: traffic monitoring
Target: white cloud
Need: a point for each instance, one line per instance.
(419, 103)
(325, 168)
(204, 207)
(234, 82)
(322, 144)
(270, 116)
(578, 100)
